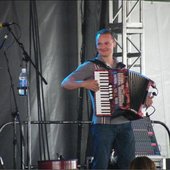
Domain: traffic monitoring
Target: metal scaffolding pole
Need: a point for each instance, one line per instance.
(126, 20)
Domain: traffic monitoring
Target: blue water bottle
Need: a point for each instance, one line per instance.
(23, 82)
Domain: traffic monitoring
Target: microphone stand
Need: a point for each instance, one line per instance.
(27, 58)
(15, 114)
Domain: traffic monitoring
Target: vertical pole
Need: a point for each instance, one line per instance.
(142, 47)
(124, 32)
(14, 141)
(29, 130)
(22, 149)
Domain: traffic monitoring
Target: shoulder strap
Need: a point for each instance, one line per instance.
(119, 65)
(99, 63)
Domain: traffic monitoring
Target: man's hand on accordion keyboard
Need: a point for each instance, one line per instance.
(149, 101)
(91, 85)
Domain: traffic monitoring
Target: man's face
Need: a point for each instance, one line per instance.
(105, 45)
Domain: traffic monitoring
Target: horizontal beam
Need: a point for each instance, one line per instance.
(158, 0)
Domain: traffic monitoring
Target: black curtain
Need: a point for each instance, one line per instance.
(94, 17)
(58, 51)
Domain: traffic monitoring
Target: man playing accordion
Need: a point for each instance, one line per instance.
(108, 132)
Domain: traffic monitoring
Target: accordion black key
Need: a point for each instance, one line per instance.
(121, 90)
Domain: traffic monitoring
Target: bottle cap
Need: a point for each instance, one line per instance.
(24, 70)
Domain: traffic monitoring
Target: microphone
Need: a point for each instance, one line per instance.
(5, 24)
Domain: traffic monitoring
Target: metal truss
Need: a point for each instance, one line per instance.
(126, 21)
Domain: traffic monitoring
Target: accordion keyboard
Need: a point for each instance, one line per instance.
(104, 94)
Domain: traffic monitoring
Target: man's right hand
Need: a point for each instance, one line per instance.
(91, 85)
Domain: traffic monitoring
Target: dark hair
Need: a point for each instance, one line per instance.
(104, 31)
(142, 162)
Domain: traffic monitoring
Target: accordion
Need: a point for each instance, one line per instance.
(121, 91)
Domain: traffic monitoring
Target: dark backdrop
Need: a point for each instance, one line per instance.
(50, 32)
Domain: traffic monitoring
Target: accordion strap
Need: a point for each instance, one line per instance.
(119, 65)
(100, 63)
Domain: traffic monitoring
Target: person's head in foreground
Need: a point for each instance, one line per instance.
(142, 162)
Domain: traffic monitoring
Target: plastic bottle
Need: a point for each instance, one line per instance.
(23, 82)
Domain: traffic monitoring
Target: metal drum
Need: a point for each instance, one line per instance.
(58, 164)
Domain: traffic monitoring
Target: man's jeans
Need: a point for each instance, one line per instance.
(106, 137)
